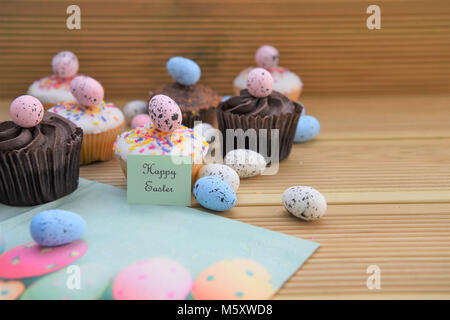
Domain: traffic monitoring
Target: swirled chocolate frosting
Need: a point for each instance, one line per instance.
(39, 164)
(50, 133)
(274, 104)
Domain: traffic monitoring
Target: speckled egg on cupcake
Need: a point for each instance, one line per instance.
(39, 154)
(101, 122)
(164, 136)
(197, 101)
(261, 118)
(55, 89)
(284, 81)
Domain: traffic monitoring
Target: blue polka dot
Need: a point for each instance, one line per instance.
(250, 273)
(239, 294)
(4, 292)
(210, 278)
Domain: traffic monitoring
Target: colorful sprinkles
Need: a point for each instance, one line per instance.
(75, 112)
(54, 82)
(149, 140)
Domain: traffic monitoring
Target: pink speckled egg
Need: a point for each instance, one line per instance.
(259, 83)
(165, 113)
(65, 64)
(267, 57)
(141, 120)
(26, 111)
(32, 260)
(153, 279)
(233, 280)
(88, 91)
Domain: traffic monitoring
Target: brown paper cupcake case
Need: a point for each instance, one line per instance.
(285, 123)
(31, 178)
(207, 115)
(99, 146)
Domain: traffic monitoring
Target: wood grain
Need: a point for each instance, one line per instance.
(125, 44)
(385, 172)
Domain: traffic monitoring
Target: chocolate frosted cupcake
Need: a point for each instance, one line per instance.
(39, 155)
(197, 101)
(259, 107)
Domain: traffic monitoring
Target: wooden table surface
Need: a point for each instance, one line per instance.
(383, 163)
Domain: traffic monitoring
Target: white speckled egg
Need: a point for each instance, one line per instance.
(247, 163)
(304, 202)
(133, 108)
(222, 172)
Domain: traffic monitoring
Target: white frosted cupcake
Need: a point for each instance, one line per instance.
(164, 137)
(284, 81)
(101, 122)
(54, 89)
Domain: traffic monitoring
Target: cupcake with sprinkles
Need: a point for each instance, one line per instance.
(197, 101)
(55, 89)
(165, 136)
(284, 81)
(101, 122)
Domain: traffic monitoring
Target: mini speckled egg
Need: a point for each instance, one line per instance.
(183, 70)
(267, 57)
(308, 128)
(153, 279)
(165, 113)
(26, 111)
(233, 280)
(88, 91)
(222, 172)
(247, 163)
(259, 83)
(206, 130)
(65, 64)
(56, 227)
(133, 108)
(304, 202)
(31, 260)
(11, 290)
(93, 281)
(215, 194)
(141, 120)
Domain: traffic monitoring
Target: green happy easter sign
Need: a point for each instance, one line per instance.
(159, 180)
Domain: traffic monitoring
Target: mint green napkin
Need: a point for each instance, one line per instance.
(119, 234)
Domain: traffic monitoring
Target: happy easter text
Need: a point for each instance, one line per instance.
(150, 169)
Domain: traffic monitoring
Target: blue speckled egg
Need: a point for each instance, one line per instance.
(214, 194)
(308, 128)
(56, 227)
(183, 70)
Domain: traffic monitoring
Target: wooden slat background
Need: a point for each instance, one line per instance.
(382, 158)
(383, 163)
(125, 44)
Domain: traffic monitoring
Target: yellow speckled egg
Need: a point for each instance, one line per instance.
(233, 280)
